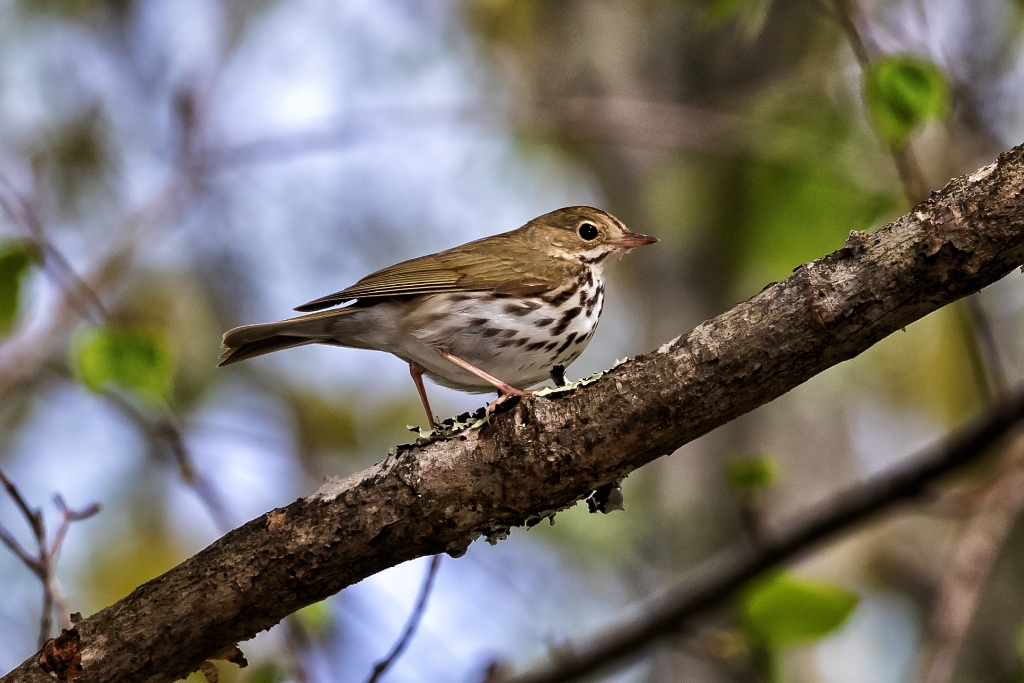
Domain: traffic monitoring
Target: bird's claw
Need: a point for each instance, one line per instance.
(506, 394)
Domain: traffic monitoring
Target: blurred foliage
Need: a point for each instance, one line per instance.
(15, 259)
(752, 474)
(334, 432)
(131, 551)
(178, 307)
(749, 15)
(796, 212)
(78, 10)
(324, 425)
(682, 198)
(726, 9)
(620, 537)
(317, 619)
(266, 673)
(72, 159)
(783, 609)
(902, 92)
(511, 22)
(226, 673)
(134, 359)
(924, 368)
(1020, 651)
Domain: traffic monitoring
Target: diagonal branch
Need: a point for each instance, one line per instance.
(724, 576)
(545, 453)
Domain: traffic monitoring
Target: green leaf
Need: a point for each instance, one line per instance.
(902, 92)
(1020, 643)
(77, 9)
(751, 474)
(267, 673)
(785, 610)
(316, 618)
(15, 258)
(748, 15)
(724, 9)
(138, 360)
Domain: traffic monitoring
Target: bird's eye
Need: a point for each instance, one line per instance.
(587, 231)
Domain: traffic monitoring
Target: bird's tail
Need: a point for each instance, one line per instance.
(250, 341)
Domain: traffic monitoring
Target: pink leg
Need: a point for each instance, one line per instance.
(416, 370)
(505, 390)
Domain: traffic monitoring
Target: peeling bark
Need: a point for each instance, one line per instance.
(548, 452)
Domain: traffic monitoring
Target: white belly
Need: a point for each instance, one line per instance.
(516, 340)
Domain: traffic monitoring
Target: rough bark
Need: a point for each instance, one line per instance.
(548, 452)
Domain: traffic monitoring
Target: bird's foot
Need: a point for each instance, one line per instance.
(505, 393)
(505, 390)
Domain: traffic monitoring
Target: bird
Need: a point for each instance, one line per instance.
(502, 313)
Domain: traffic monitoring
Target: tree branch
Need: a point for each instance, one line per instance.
(722, 577)
(545, 453)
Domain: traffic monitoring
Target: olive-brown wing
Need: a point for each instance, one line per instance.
(501, 264)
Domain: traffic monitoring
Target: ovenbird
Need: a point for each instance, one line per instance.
(501, 312)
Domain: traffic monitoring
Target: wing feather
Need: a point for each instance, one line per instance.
(492, 264)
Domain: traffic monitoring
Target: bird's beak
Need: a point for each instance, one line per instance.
(631, 240)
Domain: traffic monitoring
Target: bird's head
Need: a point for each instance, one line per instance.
(584, 234)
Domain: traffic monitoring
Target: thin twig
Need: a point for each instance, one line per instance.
(54, 263)
(12, 544)
(33, 515)
(988, 349)
(45, 564)
(164, 428)
(975, 553)
(410, 626)
(915, 187)
(721, 577)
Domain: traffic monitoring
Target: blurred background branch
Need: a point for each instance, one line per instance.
(44, 563)
(411, 625)
(987, 528)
